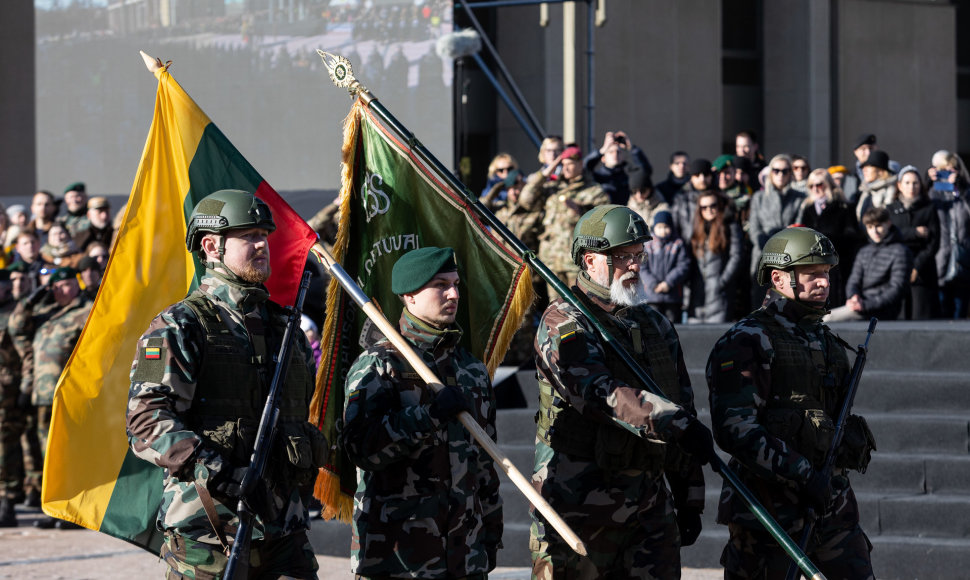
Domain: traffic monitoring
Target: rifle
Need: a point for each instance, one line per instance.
(341, 73)
(861, 354)
(239, 556)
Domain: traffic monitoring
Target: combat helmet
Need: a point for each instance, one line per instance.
(606, 227)
(224, 210)
(795, 246)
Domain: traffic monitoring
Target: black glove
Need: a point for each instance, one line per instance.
(227, 482)
(817, 492)
(447, 403)
(37, 296)
(697, 440)
(23, 400)
(689, 524)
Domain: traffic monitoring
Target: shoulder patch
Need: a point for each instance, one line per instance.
(572, 342)
(151, 362)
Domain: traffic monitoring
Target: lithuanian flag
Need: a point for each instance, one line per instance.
(90, 476)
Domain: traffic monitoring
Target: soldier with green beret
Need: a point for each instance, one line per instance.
(777, 383)
(51, 320)
(427, 503)
(76, 203)
(605, 444)
(198, 388)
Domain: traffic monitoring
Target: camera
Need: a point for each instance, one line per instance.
(619, 140)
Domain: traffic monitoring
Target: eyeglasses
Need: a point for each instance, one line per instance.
(503, 169)
(780, 171)
(706, 207)
(627, 259)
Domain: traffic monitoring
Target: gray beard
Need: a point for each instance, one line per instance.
(633, 295)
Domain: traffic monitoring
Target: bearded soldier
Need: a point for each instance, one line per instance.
(777, 382)
(604, 442)
(427, 502)
(198, 387)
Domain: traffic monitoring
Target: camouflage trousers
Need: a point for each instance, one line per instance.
(287, 557)
(34, 442)
(12, 425)
(648, 548)
(836, 552)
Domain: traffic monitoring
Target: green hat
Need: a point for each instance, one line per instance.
(795, 246)
(415, 268)
(63, 274)
(722, 161)
(227, 209)
(76, 186)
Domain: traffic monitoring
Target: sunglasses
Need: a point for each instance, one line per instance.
(711, 206)
(503, 169)
(816, 186)
(784, 171)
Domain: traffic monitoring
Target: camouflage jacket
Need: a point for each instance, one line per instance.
(744, 391)
(75, 223)
(10, 362)
(164, 424)
(559, 220)
(571, 356)
(427, 502)
(52, 331)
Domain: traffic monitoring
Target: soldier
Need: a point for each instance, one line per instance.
(427, 502)
(52, 329)
(198, 387)
(565, 200)
(11, 414)
(777, 381)
(604, 442)
(76, 204)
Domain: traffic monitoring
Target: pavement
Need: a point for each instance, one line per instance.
(27, 552)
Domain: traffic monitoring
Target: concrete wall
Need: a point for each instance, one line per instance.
(18, 145)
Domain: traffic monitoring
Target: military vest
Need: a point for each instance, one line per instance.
(611, 446)
(233, 383)
(807, 388)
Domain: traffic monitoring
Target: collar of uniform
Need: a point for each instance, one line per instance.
(244, 298)
(797, 312)
(427, 337)
(597, 293)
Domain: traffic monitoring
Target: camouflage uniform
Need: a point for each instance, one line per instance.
(198, 386)
(556, 239)
(427, 502)
(76, 222)
(600, 463)
(772, 377)
(12, 417)
(52, 332)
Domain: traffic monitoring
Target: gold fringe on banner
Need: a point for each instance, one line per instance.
(336, 504)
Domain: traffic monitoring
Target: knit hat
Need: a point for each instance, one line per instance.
(837, 169)
(415, 268)
(663, 217)
(700, 166)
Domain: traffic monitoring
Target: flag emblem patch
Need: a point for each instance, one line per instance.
(153, 353)
(727, 365)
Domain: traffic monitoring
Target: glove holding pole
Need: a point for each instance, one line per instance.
(823, 477)
(239, 556)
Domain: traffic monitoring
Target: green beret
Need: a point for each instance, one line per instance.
(76, 186)
(18, 266)
(723, 161)
(415, 268)
(63, 274)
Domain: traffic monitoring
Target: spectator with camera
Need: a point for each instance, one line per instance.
(609, 165)
(950, 186)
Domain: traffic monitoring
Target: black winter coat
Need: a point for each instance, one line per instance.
(906, 220)
(880, 276)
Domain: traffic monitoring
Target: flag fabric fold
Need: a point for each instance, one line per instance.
(90, 476)
(393, 202)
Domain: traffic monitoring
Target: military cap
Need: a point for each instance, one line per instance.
(76, 186)
(417, 267)
(574, 153)
(722, 161)
(63, 274)
(87, 263)
(98, 202)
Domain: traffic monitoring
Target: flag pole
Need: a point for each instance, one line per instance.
(341, 73)
(428, 376)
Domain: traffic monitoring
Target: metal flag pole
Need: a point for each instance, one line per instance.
(342, 76)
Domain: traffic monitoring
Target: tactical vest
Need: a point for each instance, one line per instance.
(611, 446)
(233, 383)
(807, 389)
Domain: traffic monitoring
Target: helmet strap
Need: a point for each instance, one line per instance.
(610, 270)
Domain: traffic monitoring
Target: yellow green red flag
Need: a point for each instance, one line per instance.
(90, 476)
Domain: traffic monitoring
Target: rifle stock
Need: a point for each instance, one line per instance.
(238, 566)
(811, 518)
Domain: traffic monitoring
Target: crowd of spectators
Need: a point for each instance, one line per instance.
(901, 232)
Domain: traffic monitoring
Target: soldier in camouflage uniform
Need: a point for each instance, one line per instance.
(604, 442)
(427, 502)
(198, 387)
(52, 331)
(777, 382)
(566, 199)
(11, 414)
(22, 286)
